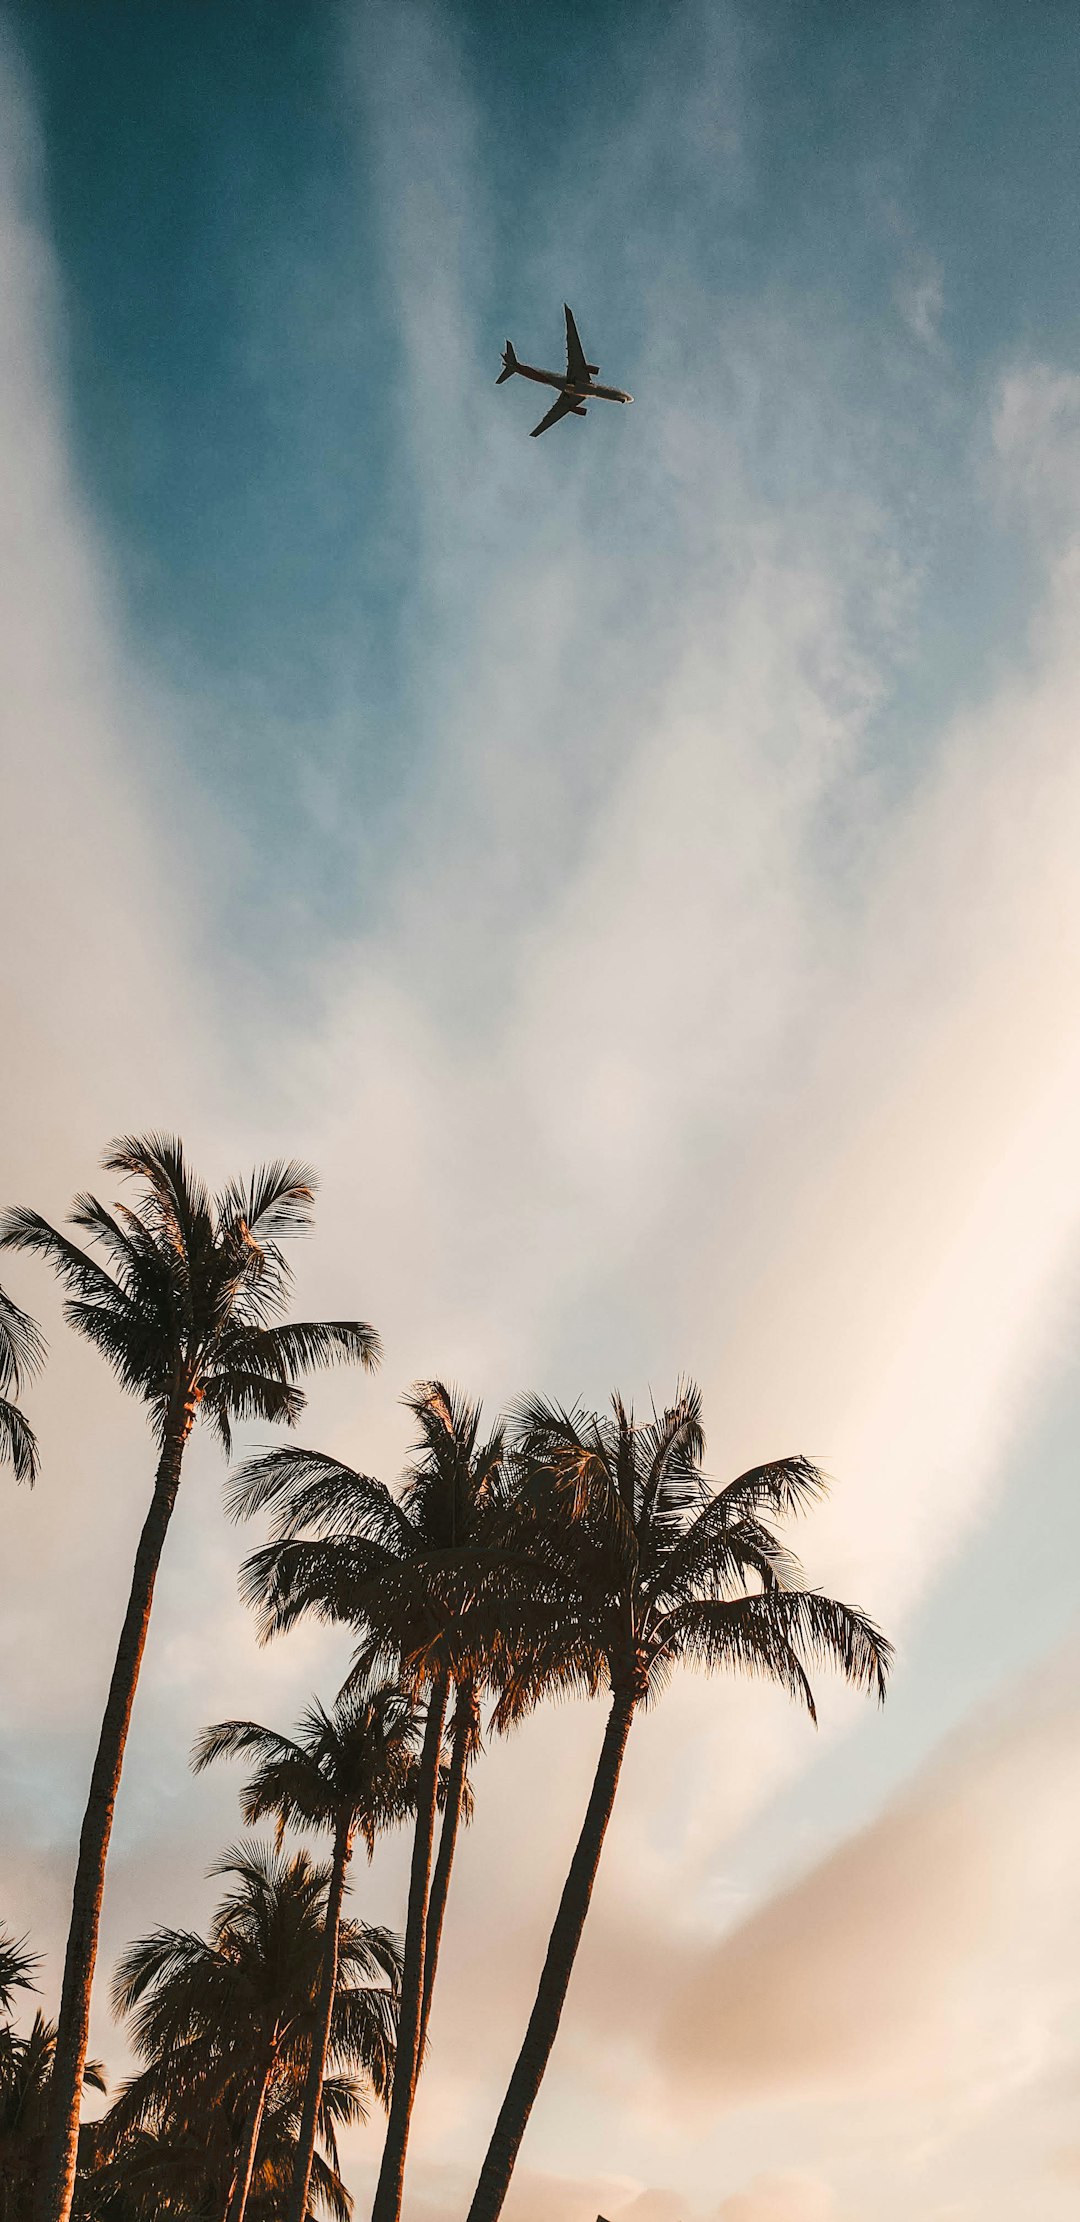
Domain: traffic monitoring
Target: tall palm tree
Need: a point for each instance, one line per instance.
(22, 1352)
(232, 2017)
(648, 1566)
(26, 2072)
(188, 1313)
(402, 1571)
(352, 1772)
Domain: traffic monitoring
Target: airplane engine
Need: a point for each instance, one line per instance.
(580, 411)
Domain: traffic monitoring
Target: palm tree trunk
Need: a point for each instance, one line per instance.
(464, 1731)
(56, 2177)
(387, 2202)
(562, 1948)
(324, 2014)
(245, 2160)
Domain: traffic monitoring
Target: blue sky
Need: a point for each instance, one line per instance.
(638, 868)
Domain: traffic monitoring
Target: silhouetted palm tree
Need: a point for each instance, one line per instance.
(231, 2018)
(351, 1772)
(647, 1566)
(26, 2071)
(22, 1352)
(403, 1572)
(188, 1315)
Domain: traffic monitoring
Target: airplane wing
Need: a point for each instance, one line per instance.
(563, 407)
(577, 369)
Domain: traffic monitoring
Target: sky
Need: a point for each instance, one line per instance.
(638, 869)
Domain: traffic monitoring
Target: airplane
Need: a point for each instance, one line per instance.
(574, 390)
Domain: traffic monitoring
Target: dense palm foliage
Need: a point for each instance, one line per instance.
(349, 1772)
(26, 2069)
(225, 2026)
(400, 1569)
(22, 1352)
(644, 1565)
(187, 1308)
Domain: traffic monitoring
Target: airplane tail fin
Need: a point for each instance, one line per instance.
(510, 364)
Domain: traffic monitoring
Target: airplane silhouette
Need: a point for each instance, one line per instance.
(574, 390)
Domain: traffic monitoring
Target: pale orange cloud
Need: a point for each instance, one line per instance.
(937, 1951)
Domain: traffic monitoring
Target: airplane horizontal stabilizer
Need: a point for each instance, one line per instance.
(510, 364)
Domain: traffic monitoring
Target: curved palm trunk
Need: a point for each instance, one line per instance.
(245, 2159)
(387, 2202)
(324, 2014)
(464, 1729)
(56, 2177)
(565, 1937)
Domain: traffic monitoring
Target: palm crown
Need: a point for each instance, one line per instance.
(187, 1309)
(224, 2025)
(249, 1985)
(638, 1562)
(355, 1764)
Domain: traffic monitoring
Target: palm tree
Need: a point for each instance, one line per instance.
(648, 1566)
(22, 1352)
(188, 1313)
(26, 2072)
(403, 1571)
(352, 1771)
(231, 2018)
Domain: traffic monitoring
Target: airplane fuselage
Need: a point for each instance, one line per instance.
(567, 386)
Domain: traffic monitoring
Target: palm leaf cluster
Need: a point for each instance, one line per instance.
(22, 1352)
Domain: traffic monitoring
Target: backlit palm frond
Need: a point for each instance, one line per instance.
(22, 1346)
(23, 1229)
(780, 1634)
(744, 1635)
(179, 1202)
(134, 1254)
(276, 1202)
(304, 1489)
(306, 1345)
(363, 2030)
(249, 1396)
(371, 1956)
(783, 1487)
(18, 1443)
(719, 1561)
(327, 2192)
(284, 1581)
(18, 1968)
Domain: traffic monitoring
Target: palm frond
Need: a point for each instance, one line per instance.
(276, 1201)
(18, 1968)
(23, 1229)
(18, 1443)
(22, 1345)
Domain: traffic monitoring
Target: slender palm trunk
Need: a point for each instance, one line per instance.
(387, 2202)
(56, 2178)
(464, 1730)
(245, 2159)
(561, 1952)
(324, 2014)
